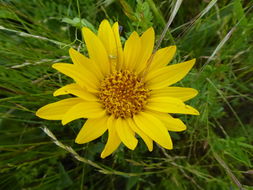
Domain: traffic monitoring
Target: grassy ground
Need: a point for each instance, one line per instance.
(214, 153)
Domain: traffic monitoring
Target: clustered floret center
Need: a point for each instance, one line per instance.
(123, 94)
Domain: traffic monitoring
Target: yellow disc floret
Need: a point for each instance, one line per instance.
(123, 94)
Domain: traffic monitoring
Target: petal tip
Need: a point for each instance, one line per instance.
(103, 155)
(56, 93)
(78, 141)
(173, 48)
(41, 112)
(86, 31)
(196, 112)
(193, 61)
(57, 65)
(169, 145)
(71, 50)
(116, 23)
(104, 21)
(64, 121)
(184, 127)
(150, 149)
(133, 146)
(134, 34)
(196, 92)
(54, 65)
(151, 29)
(37, 113)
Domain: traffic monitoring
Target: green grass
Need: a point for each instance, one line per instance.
(214, 153)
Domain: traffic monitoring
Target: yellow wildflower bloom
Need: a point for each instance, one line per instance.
(125, 91)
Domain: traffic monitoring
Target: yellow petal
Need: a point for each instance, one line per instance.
(113, 141)
(92, 129)
(162, 57)
(69, 70)
(132, 50)
(147, 45)
(148, 141)
(125, 133)
(83, 77)
(106, 35)
(115, 29)
(78, 58)
(168, 75)
(56, 110)
(154, 128)
(170, 105)
(172, 124)
(83, 62)
(183, 94)
(96, 49)
(83, 110)
(76, 90)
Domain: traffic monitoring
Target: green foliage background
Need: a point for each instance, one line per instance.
(215, 152)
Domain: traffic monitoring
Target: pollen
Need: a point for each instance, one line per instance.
(123, 94)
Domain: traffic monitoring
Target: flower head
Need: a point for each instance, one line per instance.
(123, 91)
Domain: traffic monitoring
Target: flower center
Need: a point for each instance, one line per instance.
(123, 94)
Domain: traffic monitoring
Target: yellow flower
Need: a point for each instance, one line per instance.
(124, 91)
